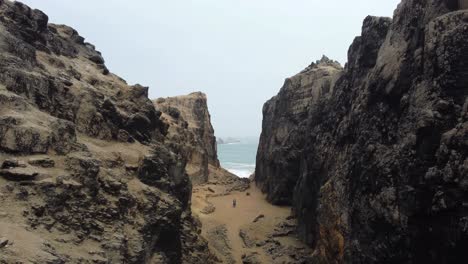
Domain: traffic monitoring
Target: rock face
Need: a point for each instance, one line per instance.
(87, 175)
(377, 169)
(189, 123)
(463, 4)
(281, 140)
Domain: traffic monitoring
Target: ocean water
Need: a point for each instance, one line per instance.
(239, 158)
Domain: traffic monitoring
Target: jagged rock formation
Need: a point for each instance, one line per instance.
(281, 140)
(86, 173)
(377, 170)
(189, 122)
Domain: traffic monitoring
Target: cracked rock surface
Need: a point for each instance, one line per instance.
(373, 157)
(87, 172)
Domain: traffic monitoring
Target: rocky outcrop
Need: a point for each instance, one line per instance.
(188, 121)
(87, 173)
(376, 170)
(277, 167)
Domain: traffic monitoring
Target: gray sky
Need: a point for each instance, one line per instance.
(238, 52)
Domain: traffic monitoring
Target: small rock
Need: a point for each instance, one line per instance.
(9, 187)
(260, 244)
(105, 71)
(250, 258)
(115, 185)
(131, 167)
(290, 217)
(99, 260)
(62, 240)
(67, 83)
(13, 163)
(124, 136)
(442, 105)
(99, 253)
(209, 209)
(44, 162)
(258, 218)
(19, 174)
(246, 239)
(59, 180)
(3, 242)
(96, 238)
(98, 59)
(90, 46)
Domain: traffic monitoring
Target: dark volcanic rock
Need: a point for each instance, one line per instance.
(277, 168)
(376, 171)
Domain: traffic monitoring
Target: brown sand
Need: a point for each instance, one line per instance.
(239, 218)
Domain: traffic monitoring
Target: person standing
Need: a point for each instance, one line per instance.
(234, 203)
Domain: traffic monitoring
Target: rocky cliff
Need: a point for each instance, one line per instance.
(376, 169)
(87, 173)
(189, 123)
(281, 141)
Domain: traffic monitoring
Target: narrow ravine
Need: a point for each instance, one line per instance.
(252, 232)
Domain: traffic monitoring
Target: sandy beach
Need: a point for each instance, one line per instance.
(252, 232)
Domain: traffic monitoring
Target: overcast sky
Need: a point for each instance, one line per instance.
(238, 52)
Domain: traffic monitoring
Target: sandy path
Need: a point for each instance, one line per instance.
(247, 209)
(241, 217)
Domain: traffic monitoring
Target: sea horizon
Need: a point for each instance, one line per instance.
(239, 157)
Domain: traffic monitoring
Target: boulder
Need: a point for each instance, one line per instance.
(19, 174)
(18, 135)
(13, 163)
(246, 239)
(42, 162)
(96, 58)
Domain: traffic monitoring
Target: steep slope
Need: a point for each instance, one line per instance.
(380, 167)
(189, 122)
(86, 173)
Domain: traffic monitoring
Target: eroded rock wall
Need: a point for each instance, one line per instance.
(380, 170)
(277, 166)
(87, 175)
(189, 123)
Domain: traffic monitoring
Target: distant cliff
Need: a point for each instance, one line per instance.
(189, 123)
(376, 165)
(229, 140)
(87, 172)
